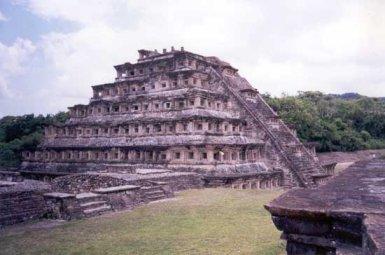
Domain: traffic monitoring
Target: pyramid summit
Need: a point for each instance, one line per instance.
(179, 111)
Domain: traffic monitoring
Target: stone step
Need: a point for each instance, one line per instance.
(96, 211)
(92, 205)
(116, 189)
(88, 197)
(7, 183)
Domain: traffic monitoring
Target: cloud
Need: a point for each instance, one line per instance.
(2, 17)
(343, 53)
(86, 56)
(13, 58)
(85, 12)
(278, 46)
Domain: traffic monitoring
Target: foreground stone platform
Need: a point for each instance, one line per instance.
(344, 216)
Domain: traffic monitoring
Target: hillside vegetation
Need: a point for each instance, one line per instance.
(336, 122)
(18, 133)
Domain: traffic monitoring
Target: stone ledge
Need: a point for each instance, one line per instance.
(7, 183)
(10, 173)
(145, 171)
(116, 189)
(159, 183)
(59, 195)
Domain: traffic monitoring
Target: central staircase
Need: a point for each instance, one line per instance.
(92, 204)
(302, 164)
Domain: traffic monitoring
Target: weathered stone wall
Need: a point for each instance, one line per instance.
(264, 180)
(62, 206)
(70, 167)
(22, 206)
(10, 176)
(125, 199)
(22, 202)
(344, 216)
(175, 182)
(317, 234)
(78, 183)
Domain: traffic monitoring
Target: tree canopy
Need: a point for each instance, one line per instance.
(335, 122)
(18, 133)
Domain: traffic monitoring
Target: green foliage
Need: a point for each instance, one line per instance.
(23, 133)
(337, 124)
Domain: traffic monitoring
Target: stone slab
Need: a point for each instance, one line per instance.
(7, 183)
(159, 182)
(26, 185)
(137, 177)
(59, 195)
(117, 189)
(151, 171)
(9, 173)
(352, 203)
(359, 189)
(86, 195)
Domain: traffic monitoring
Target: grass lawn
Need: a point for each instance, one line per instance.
(207, 221)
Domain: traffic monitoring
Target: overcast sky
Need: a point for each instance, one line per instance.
(52, 51)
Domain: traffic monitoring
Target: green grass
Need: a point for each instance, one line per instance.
(207, 221)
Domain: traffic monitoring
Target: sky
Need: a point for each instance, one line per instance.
(53, 51)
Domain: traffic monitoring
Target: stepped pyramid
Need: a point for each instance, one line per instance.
(181, 111)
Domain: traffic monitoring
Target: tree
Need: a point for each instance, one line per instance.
(18, 133)
(335, 122)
